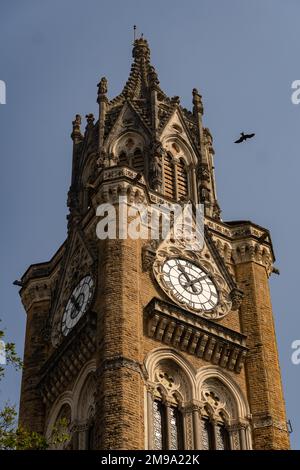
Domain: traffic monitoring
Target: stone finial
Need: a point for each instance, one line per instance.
(102, 88)
(76, 135)
(197, 102)
(141, 49)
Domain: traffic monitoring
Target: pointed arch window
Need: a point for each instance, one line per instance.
(159, 425)
(207, 434)
(182, 179)
(222, 437)
(175, 177)
(138, 160)
(169, 177)
(176, 428)
(167, 426)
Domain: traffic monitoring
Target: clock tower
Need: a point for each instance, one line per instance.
(143, 342)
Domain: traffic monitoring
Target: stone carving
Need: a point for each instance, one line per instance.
(90, 120)
(102, 86)
(148, 255)
(156, 173)
(76, 134)
(203, 173)
(218, 402)
(197, 102)
(236, 297)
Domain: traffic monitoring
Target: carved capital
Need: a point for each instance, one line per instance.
(236, 297)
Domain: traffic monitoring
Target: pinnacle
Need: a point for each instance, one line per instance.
(141, 49)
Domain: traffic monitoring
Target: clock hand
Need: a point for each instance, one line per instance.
(74, 302)
(182, 270)
(191, 283)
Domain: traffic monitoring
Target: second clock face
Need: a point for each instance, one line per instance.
(190, 285)
(78, 304)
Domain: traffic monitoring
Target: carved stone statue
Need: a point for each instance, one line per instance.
(197, 101)
(102, 86)
(156, 166)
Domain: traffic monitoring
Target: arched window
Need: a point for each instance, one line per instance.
(207, 432)
(169, 177)
(166, 419)
(86, 413)
(175, 177)
(138, 160)
(167, 426)
(159, 425)
(61, 436)
(123, 159)
(214, 435)
(187, 409)
(222, 437)
(215, 415)
(176, 428)
(182, 179)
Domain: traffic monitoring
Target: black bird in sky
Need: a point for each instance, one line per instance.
(244, 137)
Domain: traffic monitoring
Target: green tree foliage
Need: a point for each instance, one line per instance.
(13, 436)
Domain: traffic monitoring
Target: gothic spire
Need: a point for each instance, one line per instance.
(142, 78)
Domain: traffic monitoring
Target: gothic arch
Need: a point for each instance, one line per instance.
(224, 405)
(62, 400)
(184, 148)
(129, 146)
(169, 356)
(178, 168)
(86, 371)
(81, 402)
(214, 411)
(169, 389)
(241, 407)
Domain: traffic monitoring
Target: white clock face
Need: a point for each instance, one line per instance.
(78, 304)
(189, 284)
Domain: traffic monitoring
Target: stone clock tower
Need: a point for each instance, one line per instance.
(143, 343)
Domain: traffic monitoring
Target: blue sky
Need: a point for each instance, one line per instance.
(241, 55)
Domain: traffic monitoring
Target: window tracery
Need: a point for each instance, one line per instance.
(185, 415)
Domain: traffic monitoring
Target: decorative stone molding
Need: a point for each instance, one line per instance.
(119, 363)
(263, 421)
(37, 291)
(170, 248)
(251, 251)
(195, 335)
(148, 255)
(207, 394)
(236, 296)
(64, 365)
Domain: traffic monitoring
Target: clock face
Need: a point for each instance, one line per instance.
(189, 284)
(78, 304)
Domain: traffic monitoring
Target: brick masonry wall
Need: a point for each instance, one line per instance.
(262, 366)
(32, 410)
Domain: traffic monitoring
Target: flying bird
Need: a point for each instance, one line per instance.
(244, 137)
